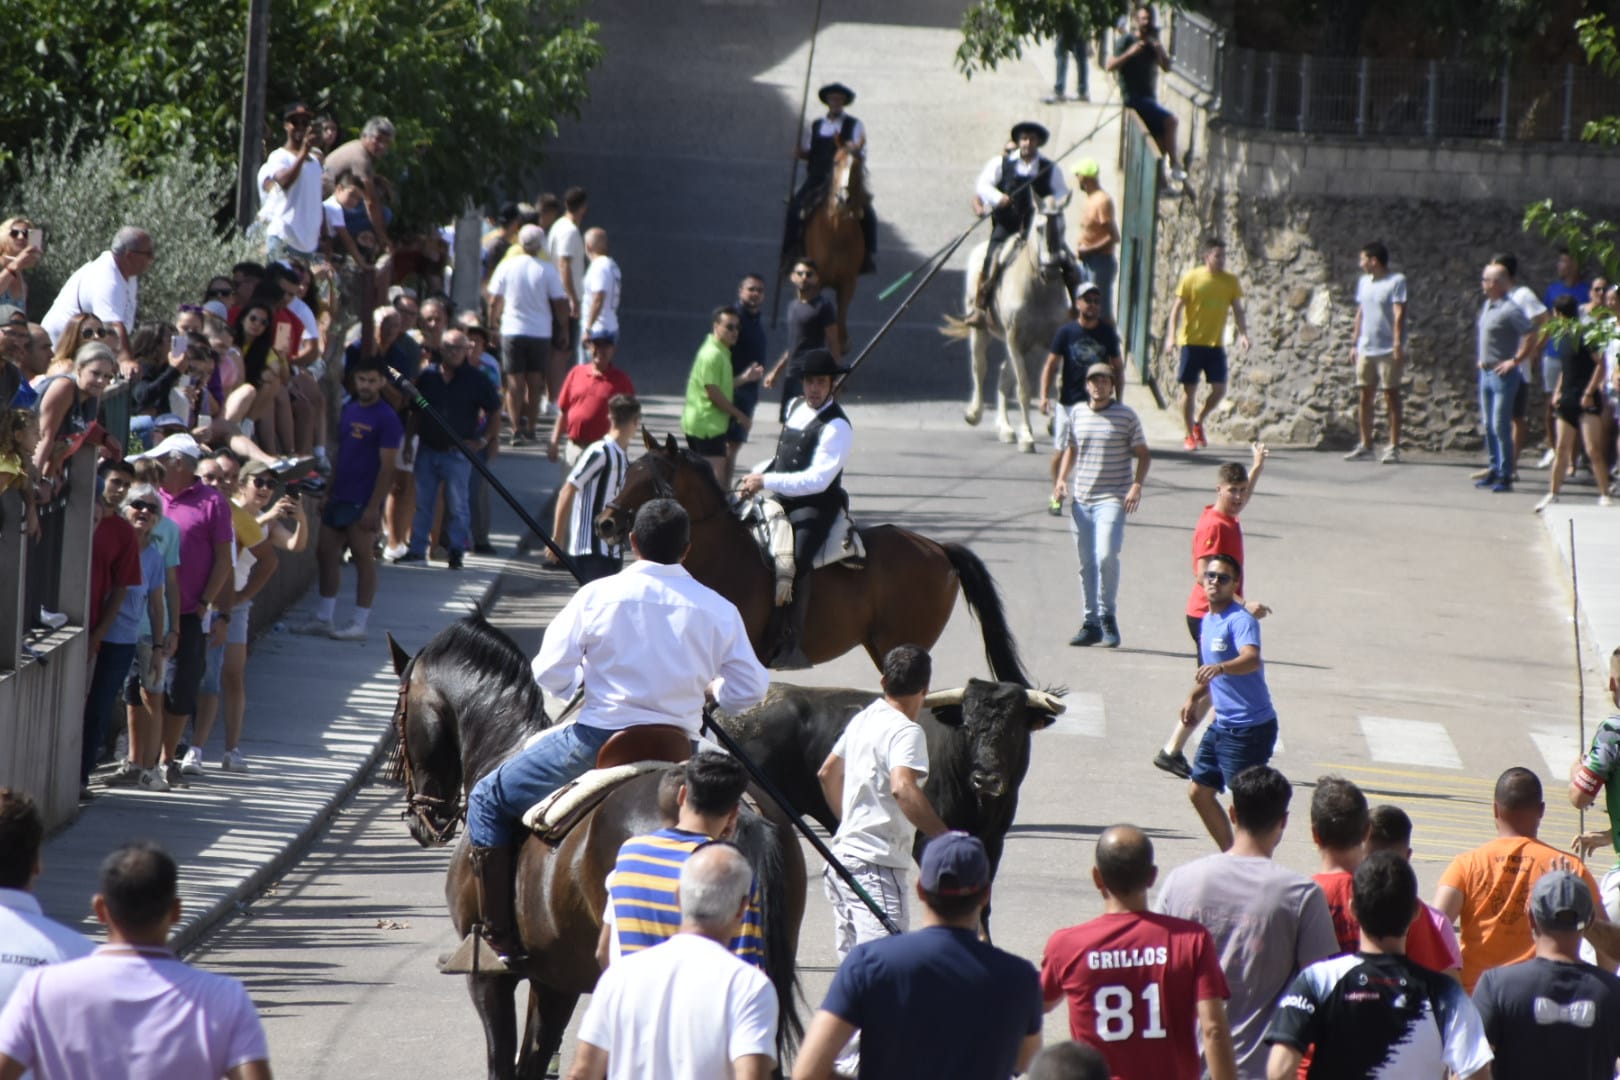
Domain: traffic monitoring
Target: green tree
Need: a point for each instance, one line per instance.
(474, 87)
(997, 30)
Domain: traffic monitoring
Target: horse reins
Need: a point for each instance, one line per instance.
(418, 805)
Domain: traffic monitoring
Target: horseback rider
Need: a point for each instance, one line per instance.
(1011, 187)
(817, 149)
(646, 646)
(805, 476)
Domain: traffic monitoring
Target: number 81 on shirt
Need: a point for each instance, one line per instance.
(1116, 1008)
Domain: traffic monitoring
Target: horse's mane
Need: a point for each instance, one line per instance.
(493, 677)
(700, 464)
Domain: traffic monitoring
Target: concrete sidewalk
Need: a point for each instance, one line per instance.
(317, 720)
(1597, 565)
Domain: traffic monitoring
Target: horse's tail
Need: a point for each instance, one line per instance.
(984, 601)
(758, 839)
(956, 329)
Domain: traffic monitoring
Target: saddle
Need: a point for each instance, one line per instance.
(774, 534)
(627, 754)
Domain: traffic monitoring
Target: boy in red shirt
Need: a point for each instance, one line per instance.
(1218, 533)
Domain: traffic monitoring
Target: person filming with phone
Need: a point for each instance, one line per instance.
(21, 247)
(290, 190)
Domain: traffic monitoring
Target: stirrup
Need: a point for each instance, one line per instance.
(476, 956)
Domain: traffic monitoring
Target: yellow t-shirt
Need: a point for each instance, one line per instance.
(1206, 296)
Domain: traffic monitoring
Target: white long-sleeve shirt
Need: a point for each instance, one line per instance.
(647, 642)
(831, 453)
(990, 195)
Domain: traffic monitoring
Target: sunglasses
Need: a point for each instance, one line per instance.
(219, 293)
(263, 482)
(143, 506)
(1218, 578)
(95, 332)
(19, 234)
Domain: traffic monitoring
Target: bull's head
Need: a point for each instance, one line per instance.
(996, 719)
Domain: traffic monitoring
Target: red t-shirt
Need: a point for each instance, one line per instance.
(1216, 534)
(286, 342)
(115, 560)
(1424, 945)
(583, 401)
(1134, 981)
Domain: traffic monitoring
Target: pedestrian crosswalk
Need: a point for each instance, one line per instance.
(1409, 742)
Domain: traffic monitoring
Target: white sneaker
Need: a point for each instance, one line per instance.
(395, 551)
(1604, 500)
(152, 780)
(351, 632)
(1178, 174)
(314, 628)
(1390, 456)
(1362, 450)
(53, 619)
(233, 761)
(1546, 501)
(1547, 458)
(192, 763)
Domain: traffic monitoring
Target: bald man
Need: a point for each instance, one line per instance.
(600, 301)
(1125, 971)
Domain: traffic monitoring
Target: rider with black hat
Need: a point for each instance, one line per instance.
(817, 149)
(1011, 187)
(804, 475)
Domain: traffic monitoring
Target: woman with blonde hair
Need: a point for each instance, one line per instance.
(80, 330)
(16, 255)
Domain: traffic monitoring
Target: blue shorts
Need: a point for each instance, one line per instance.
(1152, 113)
(1206, 360)
(1225, 751)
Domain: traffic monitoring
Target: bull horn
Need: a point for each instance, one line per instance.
(1044, 701)
(940, 699)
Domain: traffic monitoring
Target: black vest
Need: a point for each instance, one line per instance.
(824, 148)
(796, 449)
(1016, 215)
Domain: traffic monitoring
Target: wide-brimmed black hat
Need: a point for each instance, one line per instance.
(820, 362)
(838, 88)
(1033, 128)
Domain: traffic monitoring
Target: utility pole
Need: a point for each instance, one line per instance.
(251, 153)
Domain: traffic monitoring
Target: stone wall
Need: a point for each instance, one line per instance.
(1295, 212)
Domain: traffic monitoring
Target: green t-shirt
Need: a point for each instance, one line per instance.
(700, 417)
(1602, 760)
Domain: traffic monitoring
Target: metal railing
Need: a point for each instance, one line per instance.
(1384, 98)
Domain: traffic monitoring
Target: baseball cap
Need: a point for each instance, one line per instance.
(178, 443)
(531, 238)
(297, 108)
(1087, 287)
(1561, 901)
(954, 864)
(1101, 367)
(168, 419)
(1087, 167)
(253, 467)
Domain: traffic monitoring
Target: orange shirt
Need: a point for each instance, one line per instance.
(1495, 880)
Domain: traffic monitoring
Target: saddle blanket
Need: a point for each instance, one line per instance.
(774, 535)
(553, 816)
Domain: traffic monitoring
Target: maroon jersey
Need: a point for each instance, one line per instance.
(1134, 981)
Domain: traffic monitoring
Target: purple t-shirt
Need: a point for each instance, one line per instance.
(204, 519)
(364, 431)
(138, 1013)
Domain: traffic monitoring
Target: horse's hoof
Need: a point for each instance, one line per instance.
(972, 415)
(1006, 435)
(1026, 445)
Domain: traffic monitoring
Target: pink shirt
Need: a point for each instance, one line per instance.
(138, 1013)
(203, 517)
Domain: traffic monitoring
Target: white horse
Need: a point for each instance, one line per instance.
(1029, 304)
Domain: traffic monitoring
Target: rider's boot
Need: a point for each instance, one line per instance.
(1072, 277)
(789, 650)
(493, 947)
(979, 315)
(869, 235)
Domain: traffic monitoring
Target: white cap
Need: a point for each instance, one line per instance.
(218, 310)
(178, 443)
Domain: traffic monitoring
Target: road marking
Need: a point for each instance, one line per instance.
(1083, 715)
(1558, 749)
(1409, 742)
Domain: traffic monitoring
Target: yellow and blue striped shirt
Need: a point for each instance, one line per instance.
(642, 894)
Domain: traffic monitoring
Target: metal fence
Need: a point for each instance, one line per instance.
(1378, 98)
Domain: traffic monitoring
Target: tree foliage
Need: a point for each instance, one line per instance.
(473, 86)
(998, 30)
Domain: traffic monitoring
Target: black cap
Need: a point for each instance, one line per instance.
(297, 108)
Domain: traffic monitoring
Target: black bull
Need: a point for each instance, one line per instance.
(978, 749)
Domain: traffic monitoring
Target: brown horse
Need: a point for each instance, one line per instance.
(832, 235)
(467, 702)
(904, 595)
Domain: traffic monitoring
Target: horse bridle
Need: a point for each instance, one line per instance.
(664, 489)
(423, 807)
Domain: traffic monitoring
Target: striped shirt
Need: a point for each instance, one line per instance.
(1104, 442)
(597, 477)
(641, 895)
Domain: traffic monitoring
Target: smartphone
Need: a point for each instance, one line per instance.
(284, 339)
(36, 238)
(178, 344)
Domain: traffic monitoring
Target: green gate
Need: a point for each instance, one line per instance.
(1139, 221)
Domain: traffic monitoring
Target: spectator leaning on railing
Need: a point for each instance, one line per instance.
(107, 287)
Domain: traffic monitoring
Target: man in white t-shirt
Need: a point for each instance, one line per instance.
(290, 190)
(27, 938)
(132, 1008)
(566, 245)
(686, 1007)
(528, 301)
(106, 287)
(602, 291)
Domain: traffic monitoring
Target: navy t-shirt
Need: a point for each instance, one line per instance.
(807, 328)
(1555, 349)
(461, 399)
(1080, 348)
(937, 1002)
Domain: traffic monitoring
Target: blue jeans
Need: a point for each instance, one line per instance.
(498, 802)
(106, 680)
(447, 467)
(1099, 532)
(1496, 416)
(1226, 751)
(1104, 270)
(1076, 47)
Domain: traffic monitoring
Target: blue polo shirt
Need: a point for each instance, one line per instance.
(461, 399)
(1240, 700)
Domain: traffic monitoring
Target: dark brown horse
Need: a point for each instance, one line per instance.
(904, 595)
(467, 702)
(832, 235)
